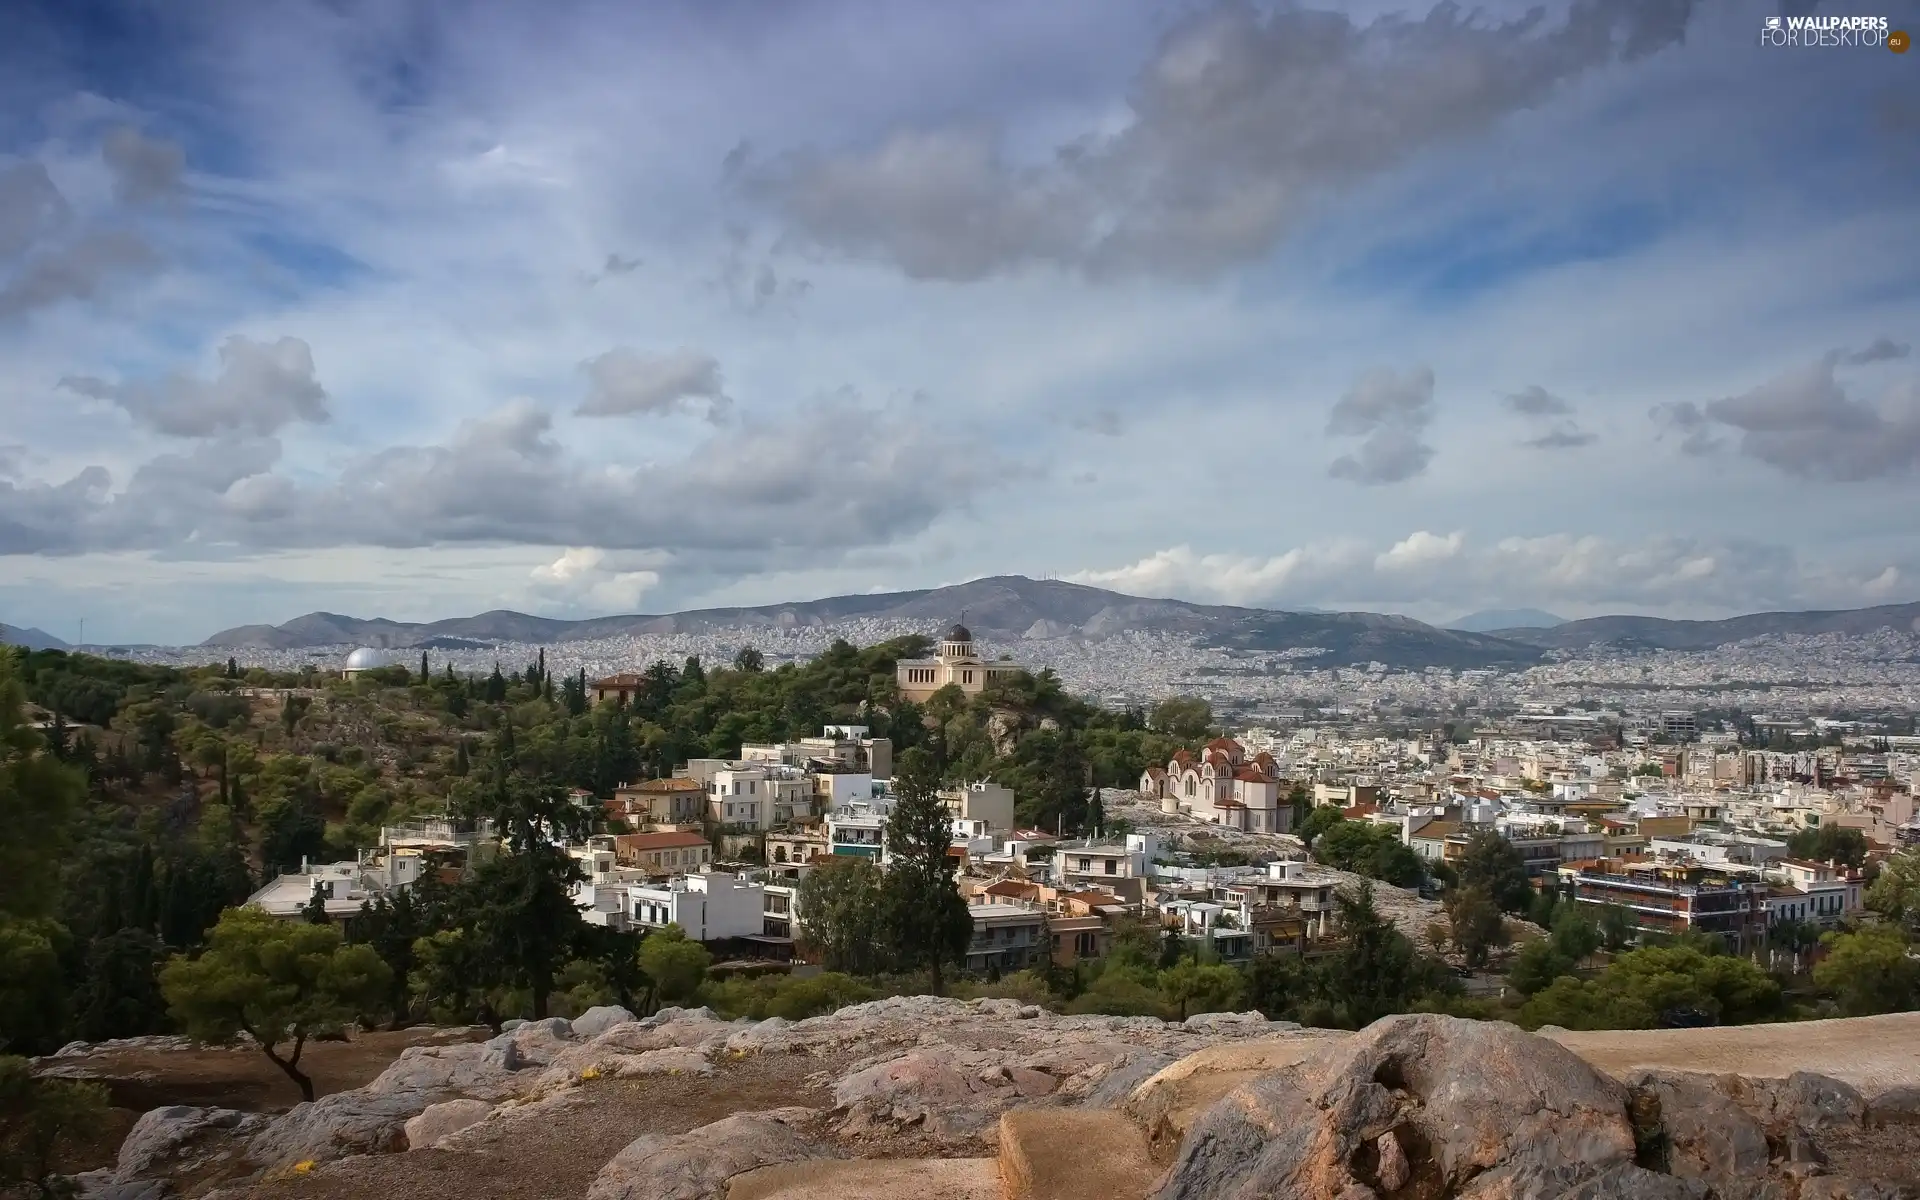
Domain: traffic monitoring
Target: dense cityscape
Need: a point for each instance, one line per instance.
(1795, 678)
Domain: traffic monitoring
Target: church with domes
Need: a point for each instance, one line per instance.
(955, 662)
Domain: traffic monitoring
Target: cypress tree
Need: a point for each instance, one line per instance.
(425, 676)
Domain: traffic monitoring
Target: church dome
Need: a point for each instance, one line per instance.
(366, 658)
(959, 633)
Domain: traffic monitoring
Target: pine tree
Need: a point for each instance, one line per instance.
(929, 922)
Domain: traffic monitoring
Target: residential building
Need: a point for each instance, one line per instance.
(1006, 937)
(984, 801)
(1675, 897)
(663, 853)
(1097, 863)
(1821, 893)
(1282, 909)
(622, 687)
(797, 845)
(955, 662)
(711, 906)
(665, 801)
(342, 886)
(861, 831)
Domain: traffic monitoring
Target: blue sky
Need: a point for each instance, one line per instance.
(420, 309)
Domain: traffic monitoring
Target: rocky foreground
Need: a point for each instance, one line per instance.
(928, 1098)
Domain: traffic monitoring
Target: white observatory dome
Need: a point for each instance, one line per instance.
(366, 659)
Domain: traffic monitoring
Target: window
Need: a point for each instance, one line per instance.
(1112, 867)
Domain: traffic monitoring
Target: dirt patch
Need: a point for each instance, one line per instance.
(543, 1157)
(242, 1078)
(1871, 1053)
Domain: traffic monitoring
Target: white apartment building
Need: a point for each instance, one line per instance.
(710, 907)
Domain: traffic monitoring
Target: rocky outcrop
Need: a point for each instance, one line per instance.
(697, 1165)
(596, 1021)
(345, 1123)
(1475, 1109)
(178, 1140)
(439, 1121)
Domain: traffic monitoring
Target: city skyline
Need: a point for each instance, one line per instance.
(418, 311)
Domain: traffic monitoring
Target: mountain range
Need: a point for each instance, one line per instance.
(1655, 633)
(1487, 620)
(1011, 607)
(32, 639)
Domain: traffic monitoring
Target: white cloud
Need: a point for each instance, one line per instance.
(587, 578)
(1420, 549)
(1438, 574)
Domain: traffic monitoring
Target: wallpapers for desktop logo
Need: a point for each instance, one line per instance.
(1834, 31)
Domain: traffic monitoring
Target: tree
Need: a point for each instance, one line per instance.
(1493, 864)
(426, 676)
(1375, 851)
(40, 798)
(41, 1119)
(454, 983)
(1895, 894)
(1826, 843)
(1658, 986)
(1318, 821)
(926, 916)
(1536, 967)
(750, 660)
(1194, 987)
(391, 925)
(1617, 927)
(1869, 971)
(33, 1000)
(520, 915)
(675, 963)
(121, 997)
(1475, 923)
(280, 983)
(1188, 718)
(844, 915)
(1377, 969)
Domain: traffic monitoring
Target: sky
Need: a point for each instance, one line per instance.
(420, 309)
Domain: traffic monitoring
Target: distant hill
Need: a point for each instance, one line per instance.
(1655, 633)
(32, 639)
(1489, 619)
(1359, 638)
(1002, 608)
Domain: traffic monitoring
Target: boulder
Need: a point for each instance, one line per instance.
(596, 1021)
(101, 1185)
(179, 1139)
(361, 1121)
(479, 1069)
(697, 1165)
(1704, 1134)
(1478, 1109)
(437, 1121)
